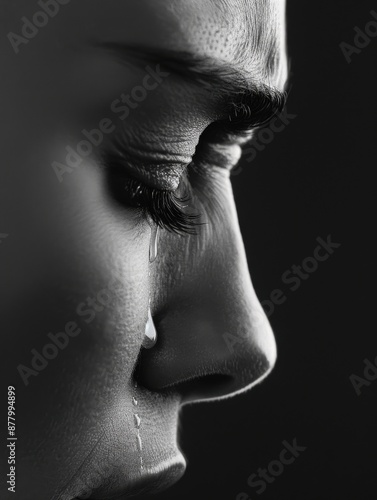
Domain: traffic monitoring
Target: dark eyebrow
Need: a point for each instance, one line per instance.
(247, 103)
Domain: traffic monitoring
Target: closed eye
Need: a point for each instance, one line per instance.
(135, 178)
(171, 210)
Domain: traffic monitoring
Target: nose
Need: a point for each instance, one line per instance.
(214, 339)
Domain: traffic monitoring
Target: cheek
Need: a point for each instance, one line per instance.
(96, 276)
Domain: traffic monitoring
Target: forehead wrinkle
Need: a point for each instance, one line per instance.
(247, 33)
(263, 38)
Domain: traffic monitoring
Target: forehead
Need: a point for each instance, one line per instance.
(248, 33)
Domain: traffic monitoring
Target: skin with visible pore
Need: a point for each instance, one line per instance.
(77, 252)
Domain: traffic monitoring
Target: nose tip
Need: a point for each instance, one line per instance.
(249, 356)
(201, 361)
(252, 356)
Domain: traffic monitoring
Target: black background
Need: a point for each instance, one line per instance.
(315, 178)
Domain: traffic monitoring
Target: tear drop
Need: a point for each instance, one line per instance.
(139, 443)
(137, 420)
(150, 334)
(153, 246)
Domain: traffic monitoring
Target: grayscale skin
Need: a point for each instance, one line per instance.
(76, 258)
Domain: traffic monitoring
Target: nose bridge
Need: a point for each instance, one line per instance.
(237, 332)
(237, 312)
(213, 336)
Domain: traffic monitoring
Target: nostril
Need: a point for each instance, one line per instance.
(196, 388)
(204, 387)
(192, 357)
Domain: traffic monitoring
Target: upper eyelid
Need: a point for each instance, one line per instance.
(166, 208)
(158, 170)
(156, 157)
(163, 172)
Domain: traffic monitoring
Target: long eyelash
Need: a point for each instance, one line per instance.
(166, 208)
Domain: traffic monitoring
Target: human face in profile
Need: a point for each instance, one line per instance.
(124, 120)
